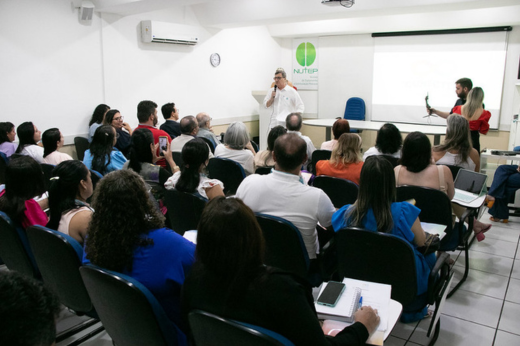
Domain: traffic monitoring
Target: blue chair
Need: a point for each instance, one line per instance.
(128, 310)
(184, 210)
(340, 191)
(15, 249)
(3, 166)
(47, 173)
(229, 172)
(59, 258)
(209, 329)
(355, 110)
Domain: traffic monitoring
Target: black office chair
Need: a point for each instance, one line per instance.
(177, 158)
(454, 170)
(318, 155)
(210, 144)
(384, 258)
(340, 191)
(184, 210)
(15, 249)
(59, 257)
(3, 166)
(229, 172)
(209, 330)
(81, 144)
(47, 173)
(284, 245)
(128, 310)
(263, 170)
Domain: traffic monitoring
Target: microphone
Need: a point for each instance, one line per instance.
(275, 87)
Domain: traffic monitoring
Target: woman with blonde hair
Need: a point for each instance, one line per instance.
(345, 161)
(474, 112)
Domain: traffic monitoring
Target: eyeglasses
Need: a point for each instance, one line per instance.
(119, 118)
(277, 78)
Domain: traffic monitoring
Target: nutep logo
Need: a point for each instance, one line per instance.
(306, 54)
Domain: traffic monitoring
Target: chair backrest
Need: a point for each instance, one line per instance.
(340, 191)
(177, 158)
(3, 166)
(15, 249)
(210, 144)
(355, 109)
(454, 170)
(378, 257)
(318, 155)
(81, 144)
(209, 329)
(59, 257)
(263, 170)
(284, 246)
(229, 172)
(47, 173)
(184, 210)
(129, 312)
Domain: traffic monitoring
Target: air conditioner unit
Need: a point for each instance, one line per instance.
(152, 31)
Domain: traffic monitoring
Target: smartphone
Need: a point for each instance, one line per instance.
(331, 293)
(163, 145)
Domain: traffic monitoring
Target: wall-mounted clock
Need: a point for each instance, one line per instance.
(214, 59)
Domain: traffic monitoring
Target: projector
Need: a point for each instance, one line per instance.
(344, 3)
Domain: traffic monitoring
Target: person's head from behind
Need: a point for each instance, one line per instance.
(101, 147)
(474, 102)
(195, 156)
(204, 120)
(52, 140)
(99, 114)
(275, 132)
(230, 243)
(457, 137)
(293, 122)
(462, 87)
(340, 127)
(236, 136)
(124, 211)
(141, 148)
(347, 150)
(417, 152)
(290, 152)
(189, 125)
(147, 113)
(28, 134)
(170, 112)
(71, 181)
(7, 132)
(23, 181)
(377, 192)
(28, 311)
(389, 139)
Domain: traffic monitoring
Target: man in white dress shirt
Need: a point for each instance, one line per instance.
(282, 100)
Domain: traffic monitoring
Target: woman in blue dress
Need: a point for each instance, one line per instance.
(375, 210)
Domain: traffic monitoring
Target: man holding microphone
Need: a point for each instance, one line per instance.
(282, 100)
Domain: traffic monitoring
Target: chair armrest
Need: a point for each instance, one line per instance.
(435, 279)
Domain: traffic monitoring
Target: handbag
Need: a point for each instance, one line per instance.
(431, 244)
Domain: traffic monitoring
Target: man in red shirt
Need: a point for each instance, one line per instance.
(147, 116)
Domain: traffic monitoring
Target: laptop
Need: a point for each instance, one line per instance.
(469, 185)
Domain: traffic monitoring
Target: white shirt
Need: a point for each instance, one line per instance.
(34, 151)
(204, 183)
(374, 151)
(245, 157)
(283, 195)
(310, 145)
(286, 101)
(178, 143)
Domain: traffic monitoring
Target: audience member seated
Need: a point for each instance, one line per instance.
(345, 160)
(388, 142)
(456, 149)
(142, 158)
(505, 183)
(205, 129)
(237, 147)
(52, 140)
(283, 194)
(417, 169)
(69, 189)
(230, 280)
(147, 116)
(264, 158)
(28, 311)
(191, 179)
(23, 182)
(127, 235)
(375, 211)
(171, 115)
(123, 130)
(474, 112)
(7, 136)
(189, 131)
(29, 136)
(339, 127)
(97, 120)
(102, 156)
(293, 123)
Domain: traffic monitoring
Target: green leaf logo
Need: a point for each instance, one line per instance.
(306, 54)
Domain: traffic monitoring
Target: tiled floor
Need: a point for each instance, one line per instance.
(484, 311)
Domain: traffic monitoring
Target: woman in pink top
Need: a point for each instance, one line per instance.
(340, 127)
(345, 161)
(7, 136)
(52, 140)
(23, 182)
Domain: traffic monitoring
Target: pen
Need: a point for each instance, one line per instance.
(360, 304)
